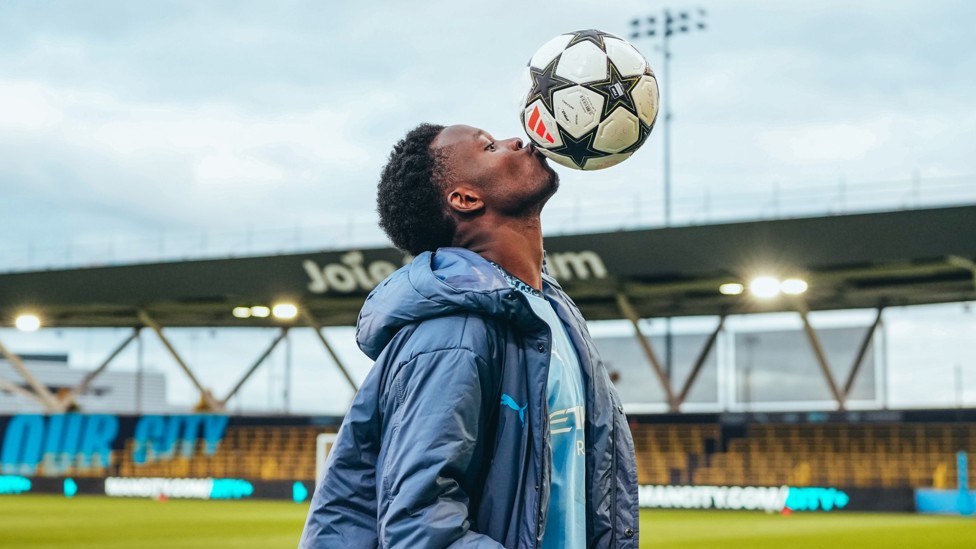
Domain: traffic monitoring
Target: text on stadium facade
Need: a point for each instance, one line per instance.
(742, 498)
(353, 274)
(86, 441)
(183, 488)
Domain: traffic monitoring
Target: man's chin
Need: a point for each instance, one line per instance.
(553, 178)
(549, 189)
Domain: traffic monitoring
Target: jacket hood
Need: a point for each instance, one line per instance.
(448, 281)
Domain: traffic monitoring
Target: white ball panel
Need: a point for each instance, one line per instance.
(617, 131)
(582, 62)
(540, 125)
(625, 57)
(544, 55)
(577, 109)
(605, 161)
(560, 159)
(646, 98)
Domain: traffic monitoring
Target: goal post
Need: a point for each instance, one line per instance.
(323, 444)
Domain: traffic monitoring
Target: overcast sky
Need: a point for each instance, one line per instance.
(139, 119)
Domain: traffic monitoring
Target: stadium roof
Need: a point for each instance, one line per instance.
(850, 261)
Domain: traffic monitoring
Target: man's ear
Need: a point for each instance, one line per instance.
(465, 200)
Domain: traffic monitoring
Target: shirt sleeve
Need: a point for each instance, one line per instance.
(431, 452)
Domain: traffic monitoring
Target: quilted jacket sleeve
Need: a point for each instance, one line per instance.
(431, 451)
(343, 508)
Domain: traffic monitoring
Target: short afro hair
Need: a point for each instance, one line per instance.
(410, 198)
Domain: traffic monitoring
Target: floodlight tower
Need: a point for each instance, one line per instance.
(670, 23)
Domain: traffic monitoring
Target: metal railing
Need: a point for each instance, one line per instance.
(714, 203)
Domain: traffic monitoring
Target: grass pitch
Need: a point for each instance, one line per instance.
(84, 522)
(90, 522)
(757, 530)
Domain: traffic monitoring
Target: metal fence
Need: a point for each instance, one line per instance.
(715, 203)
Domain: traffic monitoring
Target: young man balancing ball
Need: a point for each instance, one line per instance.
(488, 419)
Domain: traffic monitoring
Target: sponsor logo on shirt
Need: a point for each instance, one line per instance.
(568, 420)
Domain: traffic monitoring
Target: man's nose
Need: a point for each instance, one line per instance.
(514, 143)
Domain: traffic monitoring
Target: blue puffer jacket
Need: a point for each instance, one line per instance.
(427, 456)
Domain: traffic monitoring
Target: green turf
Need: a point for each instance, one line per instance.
(100, 522)
(754, 530)
(97, 522)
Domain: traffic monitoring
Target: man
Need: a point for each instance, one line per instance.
(488, 419)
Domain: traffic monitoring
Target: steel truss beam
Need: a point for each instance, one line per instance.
(700, 362)
(317, 328)
(861, 352)
(674, 401)
(12, 387)
(840, 394)
(208, 400)
(66, 400)
(40, 392)
(818, 352)
(254, 367)
(627, 309)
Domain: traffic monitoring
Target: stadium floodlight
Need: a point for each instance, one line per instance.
(731, 288)
(27, 323)
(764, 287)
(242, 312)
(260, 311)
(284, 311)
(793, 286)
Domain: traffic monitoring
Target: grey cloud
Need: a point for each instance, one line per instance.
(224, 72)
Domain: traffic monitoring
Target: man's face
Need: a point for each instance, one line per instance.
(512, 179)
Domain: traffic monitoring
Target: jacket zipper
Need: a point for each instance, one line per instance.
(613, 476)
(546, 447)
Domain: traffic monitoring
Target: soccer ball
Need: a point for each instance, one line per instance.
(590, 99)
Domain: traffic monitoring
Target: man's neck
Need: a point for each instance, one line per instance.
(515, 244)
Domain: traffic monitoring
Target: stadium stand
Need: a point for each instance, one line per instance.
(853, 455)
(253, 452)
(832, 454)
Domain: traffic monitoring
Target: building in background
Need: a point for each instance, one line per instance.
(114, 391)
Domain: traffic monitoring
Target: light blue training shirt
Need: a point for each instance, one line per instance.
(566, 519)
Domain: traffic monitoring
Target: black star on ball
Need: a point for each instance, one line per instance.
(578, 149)
(590, 35)
(545, 83)
(616, 90)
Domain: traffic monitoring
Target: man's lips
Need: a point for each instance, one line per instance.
(534, 151)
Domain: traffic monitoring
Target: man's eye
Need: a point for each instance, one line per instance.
(490, 147)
